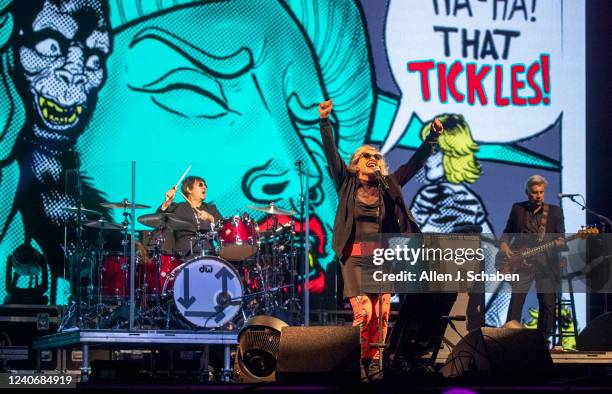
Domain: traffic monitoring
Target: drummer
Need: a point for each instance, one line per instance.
(202, 215)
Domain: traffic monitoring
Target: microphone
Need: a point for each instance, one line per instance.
(381, 179)
(298, 164)
(565, 195)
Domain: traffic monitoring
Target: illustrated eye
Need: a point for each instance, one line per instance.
(49, 47)
(93, 62)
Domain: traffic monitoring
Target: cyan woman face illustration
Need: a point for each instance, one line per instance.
(208, 85)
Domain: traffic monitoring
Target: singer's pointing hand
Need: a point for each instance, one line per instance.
(437, 126)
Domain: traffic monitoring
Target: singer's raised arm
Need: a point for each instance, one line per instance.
(337, 167)
(409, 169)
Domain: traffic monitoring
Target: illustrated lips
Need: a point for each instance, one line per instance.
(57, 114)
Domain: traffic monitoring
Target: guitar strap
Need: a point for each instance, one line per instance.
(542, 228)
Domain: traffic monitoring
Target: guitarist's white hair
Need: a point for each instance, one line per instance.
(535, 180)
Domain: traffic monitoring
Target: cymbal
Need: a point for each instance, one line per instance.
(84, 211)
(102, 224)
(163, 219)
(272, 209)
(123, 205)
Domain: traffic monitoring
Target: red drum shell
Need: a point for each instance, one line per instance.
(238, 239)
(114, 280)
(168, 263)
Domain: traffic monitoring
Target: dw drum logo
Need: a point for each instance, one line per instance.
(205, 268)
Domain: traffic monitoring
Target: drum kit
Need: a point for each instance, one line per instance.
(242, 270)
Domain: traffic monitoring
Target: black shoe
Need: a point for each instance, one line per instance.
(374, 371)
(365, 367)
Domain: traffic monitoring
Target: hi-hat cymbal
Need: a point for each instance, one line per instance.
(165, 219)
(102, 224)
(123, 205)
(272, 209)
(84, 211)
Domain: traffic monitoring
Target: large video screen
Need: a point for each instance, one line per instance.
(231, 88)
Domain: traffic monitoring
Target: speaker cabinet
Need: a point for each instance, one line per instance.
(319, 354)
(504, 353)
(597, 335)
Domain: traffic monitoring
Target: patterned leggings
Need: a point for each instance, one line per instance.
(365, 315)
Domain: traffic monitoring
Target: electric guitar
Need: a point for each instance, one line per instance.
(518, 260)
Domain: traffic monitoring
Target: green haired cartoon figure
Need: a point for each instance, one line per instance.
(446, 202)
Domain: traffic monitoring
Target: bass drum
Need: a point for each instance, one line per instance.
(206, 291)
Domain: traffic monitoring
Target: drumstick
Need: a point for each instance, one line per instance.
(182, 176)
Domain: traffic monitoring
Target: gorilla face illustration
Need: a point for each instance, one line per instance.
(60, 55)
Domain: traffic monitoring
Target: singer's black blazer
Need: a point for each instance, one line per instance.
(398, 218)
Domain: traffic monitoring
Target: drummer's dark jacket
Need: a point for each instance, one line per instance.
(184, 211)
(398, 218)
(210, 208)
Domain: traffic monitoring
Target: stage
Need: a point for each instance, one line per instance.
(123, 340)
(567, 365)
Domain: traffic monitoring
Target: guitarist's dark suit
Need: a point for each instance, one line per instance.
(522, 231)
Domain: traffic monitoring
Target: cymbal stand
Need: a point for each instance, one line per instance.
(157, 256)
(100, 306)
(126, 258)
(271, 268)
(303, 242)
(267, 270)
(293, 303)
(74, 311)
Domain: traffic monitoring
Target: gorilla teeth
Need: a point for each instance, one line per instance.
(57, 114)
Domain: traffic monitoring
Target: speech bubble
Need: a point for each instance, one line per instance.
(496, 62)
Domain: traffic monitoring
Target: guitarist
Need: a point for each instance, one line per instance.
(532, 223)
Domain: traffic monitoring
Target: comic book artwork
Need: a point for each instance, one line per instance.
(231, 87)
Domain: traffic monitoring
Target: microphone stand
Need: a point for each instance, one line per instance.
(605, 220)
(588, 210)
(382, 185)
(294, 275)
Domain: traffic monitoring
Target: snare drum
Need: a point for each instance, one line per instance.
(206, 291)
(237, 238)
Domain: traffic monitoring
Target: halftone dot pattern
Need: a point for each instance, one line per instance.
(289, 131)
(275, 80)
(498, 309)
(442, 207)
(11, 120)
(43, 63)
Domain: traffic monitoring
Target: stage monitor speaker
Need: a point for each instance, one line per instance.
(258, 348)
(503, 353)
(316, 354)
(597, 335)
